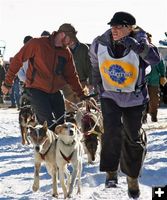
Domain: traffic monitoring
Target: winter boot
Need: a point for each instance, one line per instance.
(133, 187)
(111, 179)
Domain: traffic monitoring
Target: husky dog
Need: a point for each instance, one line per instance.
(69, 150)
(92, 128)
(26, 117)
(44, 142)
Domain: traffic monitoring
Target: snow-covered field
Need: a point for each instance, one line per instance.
(17, 166)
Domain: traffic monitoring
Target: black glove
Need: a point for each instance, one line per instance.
(132, 44)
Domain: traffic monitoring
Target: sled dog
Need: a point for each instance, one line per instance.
(69, 150)
(92, 129)
(44, 142)
(26, 117)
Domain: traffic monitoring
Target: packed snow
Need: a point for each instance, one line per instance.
(17, 166)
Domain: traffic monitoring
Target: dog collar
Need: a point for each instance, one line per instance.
(70, 144)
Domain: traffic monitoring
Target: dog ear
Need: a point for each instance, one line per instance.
(58, 129)
(45, 125)
(33, 117)
(31, 128)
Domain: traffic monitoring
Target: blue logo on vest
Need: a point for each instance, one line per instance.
(118, 74)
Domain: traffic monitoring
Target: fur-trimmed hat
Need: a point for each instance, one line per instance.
(122, 18)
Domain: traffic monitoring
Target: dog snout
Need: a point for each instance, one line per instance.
(37, 148)
(71, 132)
(93, 157)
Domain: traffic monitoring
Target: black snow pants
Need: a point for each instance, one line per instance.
(122, 141)
(48, 107)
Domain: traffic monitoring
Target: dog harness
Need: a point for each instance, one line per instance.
(91, 124)
(67, 158)
(43, 155)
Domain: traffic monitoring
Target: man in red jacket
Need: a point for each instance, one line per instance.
(51, 66)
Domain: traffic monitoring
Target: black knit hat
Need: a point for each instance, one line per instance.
(122, 18)
(45, 33)
(27, 38)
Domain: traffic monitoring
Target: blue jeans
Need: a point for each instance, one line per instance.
(15, 93)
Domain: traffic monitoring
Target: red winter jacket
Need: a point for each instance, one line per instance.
(49, 69)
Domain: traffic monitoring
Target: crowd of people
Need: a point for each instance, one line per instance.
(58, 66)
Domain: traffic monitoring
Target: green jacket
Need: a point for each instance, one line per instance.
(157, 71)
(82, 61)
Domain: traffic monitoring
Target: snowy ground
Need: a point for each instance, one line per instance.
(16, 166)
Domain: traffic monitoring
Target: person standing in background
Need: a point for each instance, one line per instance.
(23, 69)
(15, 92)
(155, 78)
(119, 58)
(82, 62)
(45, 34)
(24, 98)
(2, 77)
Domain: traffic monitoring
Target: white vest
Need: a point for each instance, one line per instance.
(118, 74)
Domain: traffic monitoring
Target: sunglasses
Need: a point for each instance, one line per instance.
(118, 26)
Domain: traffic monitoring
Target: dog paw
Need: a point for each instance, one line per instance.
(35, 187)
(66, 196)
(23, 142)
(90, 162)
(28, 142)
(78, 191)
(55, 195)
(69, 195)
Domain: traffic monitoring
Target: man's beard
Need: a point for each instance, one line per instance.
(64, 44)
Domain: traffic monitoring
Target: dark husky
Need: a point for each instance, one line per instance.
(26, 117)
(91, 127)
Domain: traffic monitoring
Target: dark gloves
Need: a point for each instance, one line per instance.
(132, 44)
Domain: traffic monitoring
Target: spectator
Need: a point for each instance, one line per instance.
(119, 58)
(155, 78)
(23, 69)
(50, 67)
(15, 92)
(82, 63)
(24, 99)
(2, 77)
(45, 33)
